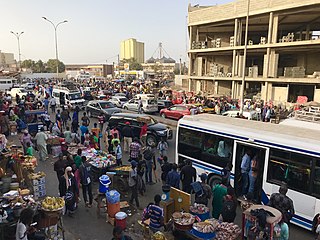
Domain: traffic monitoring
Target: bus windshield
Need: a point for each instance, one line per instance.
(74, 96)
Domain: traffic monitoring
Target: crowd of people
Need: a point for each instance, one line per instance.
(74, 173)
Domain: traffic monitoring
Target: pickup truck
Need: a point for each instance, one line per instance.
(20, 91)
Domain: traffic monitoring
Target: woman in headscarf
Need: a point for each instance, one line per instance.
(68, 189)
(56, 130)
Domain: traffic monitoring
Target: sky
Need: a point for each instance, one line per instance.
(95, 28)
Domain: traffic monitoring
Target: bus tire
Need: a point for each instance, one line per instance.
(214, 180)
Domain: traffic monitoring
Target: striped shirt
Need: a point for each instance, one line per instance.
(156, 214)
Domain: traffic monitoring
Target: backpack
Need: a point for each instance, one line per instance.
(147, 154)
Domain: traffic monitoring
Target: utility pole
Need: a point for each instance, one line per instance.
(55, 26)
(180, 66)
(244, 60)
(19, 53)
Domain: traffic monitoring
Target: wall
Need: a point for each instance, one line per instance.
(279, 94)
(317, 95)
(224, 87)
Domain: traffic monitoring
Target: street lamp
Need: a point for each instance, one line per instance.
(244, 60)
(18, 38)
(55, 26)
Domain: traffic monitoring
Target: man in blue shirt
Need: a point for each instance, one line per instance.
(83, 130)
(173, 177)
(245, 168)
(156, 215)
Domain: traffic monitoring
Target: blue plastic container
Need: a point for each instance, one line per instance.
(104, 182)
(202, 216)
(201, 235)
(113, 196)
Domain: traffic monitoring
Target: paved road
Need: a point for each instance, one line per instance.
(86, 225)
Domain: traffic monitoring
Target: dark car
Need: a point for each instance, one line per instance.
(87, 95)
(96, 107)
(164, 104)
(156, 131)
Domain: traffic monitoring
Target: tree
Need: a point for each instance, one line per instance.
(52, 66)
(133, 64)
(28, 63)
(39, 67)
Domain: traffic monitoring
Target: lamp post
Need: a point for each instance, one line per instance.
(17, 35)
(244, 60)
(55, 26)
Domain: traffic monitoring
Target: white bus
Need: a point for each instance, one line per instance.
(286, 154)
(6, 83)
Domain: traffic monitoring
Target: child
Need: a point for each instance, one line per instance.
(162, 147)
(118, 153)
(30, 149)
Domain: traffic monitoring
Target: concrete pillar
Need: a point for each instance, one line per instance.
(274, 38)
(197, 35)
(270, 27)
(236, 28)
(233, 89)
(233, 71)
(308, 32)
(215, 87)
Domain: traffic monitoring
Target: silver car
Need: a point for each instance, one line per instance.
(148, 105)
(119, 101)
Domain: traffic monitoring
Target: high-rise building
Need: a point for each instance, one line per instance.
(131, 48)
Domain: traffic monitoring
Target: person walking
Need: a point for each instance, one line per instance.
(140, 106)
(86, 180)
(67, 135)
(83, 130)
(101, 121)
(65, 117)
(85, 120)
(173, 177)
(283, 203)
(68, 189)
(162, 147)
(253, 173)
(143, 134)
(188, 175)
(133, 180)
(205, 194)
(118, 152)
(127, 136)
(165, 168)
(148, 155)
(24, 139)
(135, 149)
(59, 166)
(41, 140)
(53, 104)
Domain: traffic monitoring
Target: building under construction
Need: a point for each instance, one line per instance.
(282, 49)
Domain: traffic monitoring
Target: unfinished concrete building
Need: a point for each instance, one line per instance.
(282, 55)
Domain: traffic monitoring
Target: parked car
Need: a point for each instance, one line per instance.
(252, 115)
(164, 104)
(21, 92)
(156, 131)
(96, 107)
(148, 105)
(119, 101)
(176, 111)
(87, 95)
(120, 94)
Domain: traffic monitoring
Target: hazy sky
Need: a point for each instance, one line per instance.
(95, 27)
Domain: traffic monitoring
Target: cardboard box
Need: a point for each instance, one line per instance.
(111, 221)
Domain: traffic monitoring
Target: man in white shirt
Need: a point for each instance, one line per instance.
(41, 138)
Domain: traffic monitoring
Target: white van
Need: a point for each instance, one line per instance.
(6, 83)
(65, 96)
(149, 103)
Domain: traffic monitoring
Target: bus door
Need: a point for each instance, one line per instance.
(257, 156)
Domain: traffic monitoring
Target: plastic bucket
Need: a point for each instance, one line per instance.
(104, 182)
(202, 216)
(113, 196)
(121, 220)
(113, 209)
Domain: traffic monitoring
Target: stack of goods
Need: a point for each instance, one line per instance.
(73, 149)
(54, 145)
(200, 210)
(228, 231)
(29, 163)
(99, 159)
(38, 182)
(205, 230)
(183, 221)
(53, 204)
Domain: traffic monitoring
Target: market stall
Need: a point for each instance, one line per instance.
(100, 161)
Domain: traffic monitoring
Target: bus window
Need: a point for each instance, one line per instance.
(216, 150)
(190, 142)
(292, 168)
(316, 179)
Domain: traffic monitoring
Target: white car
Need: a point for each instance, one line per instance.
(119, 101)
(21, 92)
(234, 113)
(148, 105)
